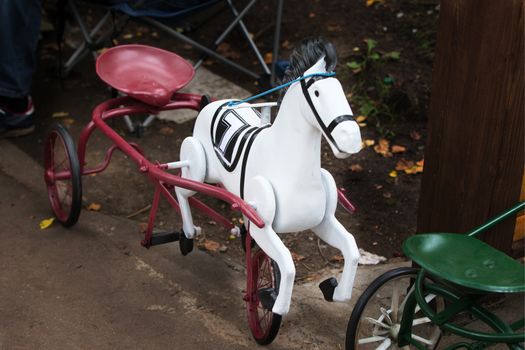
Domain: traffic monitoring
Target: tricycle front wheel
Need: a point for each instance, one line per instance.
(62, 175)
(377, 315)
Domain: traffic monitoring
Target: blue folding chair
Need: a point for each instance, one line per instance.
(163, 14)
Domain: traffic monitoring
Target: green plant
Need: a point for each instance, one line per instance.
(372, 57)
(372, 89)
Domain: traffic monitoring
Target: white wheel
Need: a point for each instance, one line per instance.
(377, 315)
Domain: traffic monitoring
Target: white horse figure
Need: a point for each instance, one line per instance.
(277, 168)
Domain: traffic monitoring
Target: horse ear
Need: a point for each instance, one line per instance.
(330, 57)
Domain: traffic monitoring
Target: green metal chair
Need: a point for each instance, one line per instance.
(456, 273)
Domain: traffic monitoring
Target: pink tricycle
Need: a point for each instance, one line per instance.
(268, 172)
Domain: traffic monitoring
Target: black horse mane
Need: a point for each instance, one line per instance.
(306, 56)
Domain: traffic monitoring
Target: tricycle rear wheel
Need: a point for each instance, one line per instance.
(265, 277)
(62, 175)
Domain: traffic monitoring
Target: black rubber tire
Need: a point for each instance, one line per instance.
(66, 213)
(367, 296)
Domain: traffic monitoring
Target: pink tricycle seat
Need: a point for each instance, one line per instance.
(146, 73)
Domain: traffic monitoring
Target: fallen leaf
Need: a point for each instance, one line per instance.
(361, 118)
(297, 257)
(94, 207)
(416, 136)
(393, 173)
(143, 227)
(367, 258)
(398, 149)
(356, 168)
(369, 143)
(209, 245)
(372, 2)
(409, 167)
(337, 259)
(226, 50)
(387, 195)
(268, 58)
(334, 28)
(311, 15)
(383, 148)
(60, 115)
(155, 34)
(285, 44)
(167, 131)
(309, 278)
(46, 223)
(403, 164)
(127, 36)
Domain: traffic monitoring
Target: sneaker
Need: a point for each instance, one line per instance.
(17, 124)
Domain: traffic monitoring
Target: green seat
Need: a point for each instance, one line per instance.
(466, 261)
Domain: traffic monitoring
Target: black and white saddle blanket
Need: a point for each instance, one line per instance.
(233, 132)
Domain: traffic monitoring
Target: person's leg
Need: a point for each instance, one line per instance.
(19, 32)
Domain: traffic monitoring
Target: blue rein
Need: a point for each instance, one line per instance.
(235, 103)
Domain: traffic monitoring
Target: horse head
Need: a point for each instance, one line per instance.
(325, 105)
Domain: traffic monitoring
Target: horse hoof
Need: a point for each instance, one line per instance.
(267, 297)
(328, 288)
(186, 244)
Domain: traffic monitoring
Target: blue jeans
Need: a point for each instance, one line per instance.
(19, 32)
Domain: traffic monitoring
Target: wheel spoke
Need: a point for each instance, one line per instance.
(395, 302)
(57, 166)
(385, 344)
(376, 322)
(422, 340)
(371, 340)
(421, 320)
(386, 315)
(428, 298)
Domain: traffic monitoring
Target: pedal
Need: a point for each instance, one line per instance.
(186, 244)
(164, 237)
(160, 238)
(267, 297)
(328, 288)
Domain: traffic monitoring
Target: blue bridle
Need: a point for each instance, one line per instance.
(267, 92)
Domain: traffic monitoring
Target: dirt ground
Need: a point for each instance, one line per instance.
(386, 201)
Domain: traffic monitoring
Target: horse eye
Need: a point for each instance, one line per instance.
(316, 92)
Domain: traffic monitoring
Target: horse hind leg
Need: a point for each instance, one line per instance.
(260, 192)
(332, 232)
(192, 151)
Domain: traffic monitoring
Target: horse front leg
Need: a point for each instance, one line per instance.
(259, 192)
(191, 151)
(332, 232)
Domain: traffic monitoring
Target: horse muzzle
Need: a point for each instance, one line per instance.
(346, 138)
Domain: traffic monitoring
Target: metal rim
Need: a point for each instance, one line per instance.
(60, 158)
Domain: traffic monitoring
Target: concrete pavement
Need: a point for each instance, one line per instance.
(94, 286)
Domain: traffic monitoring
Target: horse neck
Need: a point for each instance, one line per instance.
(295, 141)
